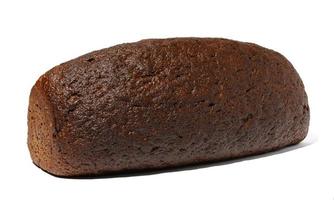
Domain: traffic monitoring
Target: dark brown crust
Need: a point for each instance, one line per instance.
(164, 103)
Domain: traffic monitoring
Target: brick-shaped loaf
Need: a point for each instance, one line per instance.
(162, 103)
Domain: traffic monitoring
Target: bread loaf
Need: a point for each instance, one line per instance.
(162, 103)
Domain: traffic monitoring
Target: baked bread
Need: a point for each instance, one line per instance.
(162, 103)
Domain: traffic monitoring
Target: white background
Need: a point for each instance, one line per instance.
(37, 35)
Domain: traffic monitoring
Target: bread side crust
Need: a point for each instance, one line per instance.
(41, 131)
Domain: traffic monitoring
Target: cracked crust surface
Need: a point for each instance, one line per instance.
(161, 103)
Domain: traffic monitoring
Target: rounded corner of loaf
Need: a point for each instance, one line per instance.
(41, 129)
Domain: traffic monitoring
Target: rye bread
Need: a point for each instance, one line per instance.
(162, 103)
